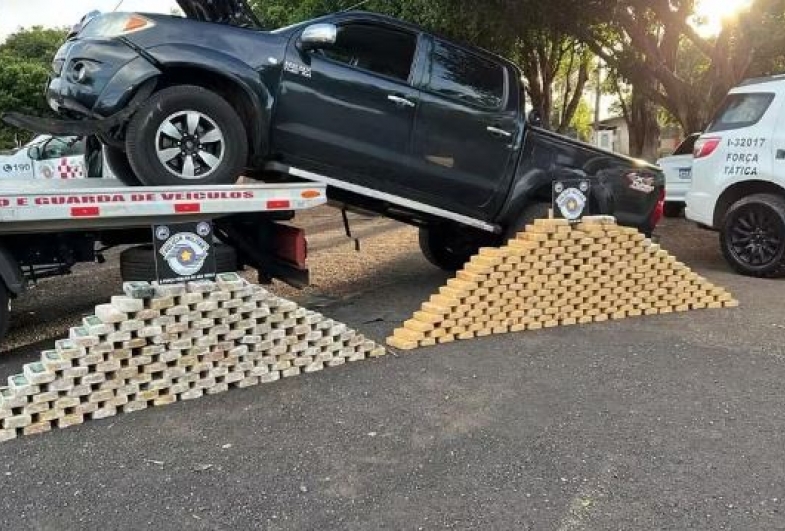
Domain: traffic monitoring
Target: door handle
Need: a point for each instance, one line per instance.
(495, 131)
(403, 102)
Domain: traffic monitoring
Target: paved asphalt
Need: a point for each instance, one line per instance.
(673, 422)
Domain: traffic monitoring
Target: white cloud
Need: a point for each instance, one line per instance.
(15, 14)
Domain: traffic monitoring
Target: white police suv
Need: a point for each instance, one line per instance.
(738, 177)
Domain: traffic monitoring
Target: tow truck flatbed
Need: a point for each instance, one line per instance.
(95, 204)
(47, 227)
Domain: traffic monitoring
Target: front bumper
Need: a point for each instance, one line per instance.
(700, 208)
(53, 126)
(676, 192)
(117, 81)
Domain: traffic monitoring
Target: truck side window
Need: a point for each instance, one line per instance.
(467, 77)
(378, 49)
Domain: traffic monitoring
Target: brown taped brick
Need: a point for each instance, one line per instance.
(418, 326)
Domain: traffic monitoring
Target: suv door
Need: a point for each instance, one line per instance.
(467, 129)
(348, 109)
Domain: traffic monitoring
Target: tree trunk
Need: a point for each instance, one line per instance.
(644, 129)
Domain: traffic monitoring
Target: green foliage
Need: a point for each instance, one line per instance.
(582, 120)
(766, 25)
(25, 60)
(488, 27)
(526, 31)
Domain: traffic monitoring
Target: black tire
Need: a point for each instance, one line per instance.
(118, 163)
(5, 310)
(448, 247)
(147, 137)
(674, 210)
(752, 236)
(138, 263)
(526, 217)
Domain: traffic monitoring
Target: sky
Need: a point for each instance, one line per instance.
(52, 13)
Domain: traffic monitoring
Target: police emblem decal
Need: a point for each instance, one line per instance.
(185, 253)
(571, 199)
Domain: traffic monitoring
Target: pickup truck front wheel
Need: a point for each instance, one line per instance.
(118, 164)
(752, 236)
(186, 135)
(448, 248)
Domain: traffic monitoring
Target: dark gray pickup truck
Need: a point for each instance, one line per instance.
(394, 119)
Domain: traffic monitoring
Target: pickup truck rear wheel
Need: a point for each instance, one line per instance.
(138, 263)
(526, 217)
(187, 135)
(448, 248)
(118, 163)
(752, 236)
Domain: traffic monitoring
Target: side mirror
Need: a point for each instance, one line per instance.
(318, 36)
(34, 153)
(534, 118)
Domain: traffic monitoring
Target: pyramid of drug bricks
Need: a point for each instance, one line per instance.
(157, 345)
(556, 274)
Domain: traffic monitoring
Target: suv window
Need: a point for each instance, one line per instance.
(688, 146)
(741, 110)
(469, 78)
(378, 49)
(63, 147)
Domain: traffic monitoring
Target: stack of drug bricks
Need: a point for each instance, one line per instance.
(557, 274)
(160, 344)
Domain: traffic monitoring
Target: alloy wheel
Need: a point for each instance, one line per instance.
(190, 144)
(755, 236)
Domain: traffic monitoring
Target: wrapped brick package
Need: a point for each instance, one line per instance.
(157, 345)
(558, 274)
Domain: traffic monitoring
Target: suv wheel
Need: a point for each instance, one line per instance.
(186, 135)
(753, 236)
(674, 210)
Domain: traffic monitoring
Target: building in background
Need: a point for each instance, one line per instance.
(614, 134)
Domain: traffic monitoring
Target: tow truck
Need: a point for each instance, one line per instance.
(47, 227)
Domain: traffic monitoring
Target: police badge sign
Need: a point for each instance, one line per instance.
(571, 199)
(184, 252)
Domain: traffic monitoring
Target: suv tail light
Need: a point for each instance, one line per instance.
(706, 146)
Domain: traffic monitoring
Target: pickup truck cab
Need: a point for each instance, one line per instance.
(395, 119)
(738, 178)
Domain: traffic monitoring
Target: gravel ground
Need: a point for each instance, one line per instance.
(672, 422)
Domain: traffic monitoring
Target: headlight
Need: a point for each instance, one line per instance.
(115, 25)
(57, 66)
